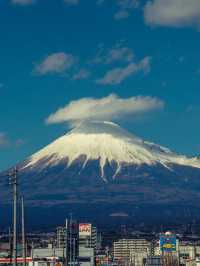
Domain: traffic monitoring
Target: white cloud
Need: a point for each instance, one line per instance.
(4, 141)
(117, 53)
(72, 2)
(124, 7)
(82, 74)
(117, 75)
(108, 108)
(23, 2)
(175, 13)
(128, 4)
(55, 63)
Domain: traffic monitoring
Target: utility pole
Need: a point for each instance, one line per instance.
(32, 253)
(10, 245)
(23, 233)
(66, 242)
(14, 183)
(70, 241)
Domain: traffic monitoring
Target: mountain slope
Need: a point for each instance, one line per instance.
(98, 170)
(107, 142)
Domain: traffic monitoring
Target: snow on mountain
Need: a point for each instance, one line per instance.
(107, 142)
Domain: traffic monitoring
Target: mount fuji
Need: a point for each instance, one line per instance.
(100, 170)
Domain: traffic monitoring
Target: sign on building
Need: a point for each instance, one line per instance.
(85, 229)
(168, 242)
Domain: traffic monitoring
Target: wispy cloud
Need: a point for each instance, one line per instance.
(81, 74)
(108, 108)
(55, 63)
(23, 2)
(124, 7)
(4, 141)
(117, 75)
(118, 53)
(174, 13)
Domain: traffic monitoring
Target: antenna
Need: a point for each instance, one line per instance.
(13, 182)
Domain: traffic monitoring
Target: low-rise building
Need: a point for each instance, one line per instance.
(86, 256)
(131, 250)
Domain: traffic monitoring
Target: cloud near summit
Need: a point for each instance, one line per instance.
(107, 108)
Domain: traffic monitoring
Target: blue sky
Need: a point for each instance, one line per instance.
(53, 52)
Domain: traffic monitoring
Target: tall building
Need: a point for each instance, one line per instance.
(87, 236)
(61, 234)
(94, 237)
(72, 241)
(67, 237)
(87, 244)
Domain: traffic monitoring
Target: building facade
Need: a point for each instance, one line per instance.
(133, 251)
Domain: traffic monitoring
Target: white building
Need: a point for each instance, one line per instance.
(86, 256)
(132, 251)
(49, 252)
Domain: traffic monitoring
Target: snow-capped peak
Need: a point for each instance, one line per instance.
(107, 142)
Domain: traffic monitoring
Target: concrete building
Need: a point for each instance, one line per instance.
(68, 237)
(133, 251)
(87, 239)
(61, 234)
(87, 244)
(153, 261)
(138, 256)
(189, 254)
(50, 251)
(86, 256)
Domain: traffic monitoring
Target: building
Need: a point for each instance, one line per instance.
(72, 241)
(138, 256)
(94, 237)
(87, 236)
(68, 237)
(86, 256)
(133, 251)
(49, 252)
(189, 254)
(80, 241)
(61, 234)
(154, 261)
(87, 244)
